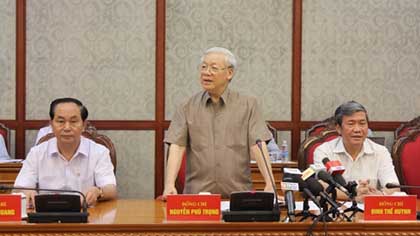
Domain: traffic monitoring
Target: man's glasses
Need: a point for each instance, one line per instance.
(213, 69)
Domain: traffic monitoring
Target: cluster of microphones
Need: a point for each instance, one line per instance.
(307, 182)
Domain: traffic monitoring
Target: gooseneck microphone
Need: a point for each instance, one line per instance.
(65, 217)
(276, 204)
(393, 185)
(260, 210)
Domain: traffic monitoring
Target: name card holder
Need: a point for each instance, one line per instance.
(193, 207)
(390, 207)
(10, 207)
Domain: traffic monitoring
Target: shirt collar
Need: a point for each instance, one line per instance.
(366, 149)
(82, 150)
(224, 98)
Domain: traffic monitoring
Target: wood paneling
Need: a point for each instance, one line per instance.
(295, 125)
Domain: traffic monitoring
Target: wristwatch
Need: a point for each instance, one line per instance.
(101, 193)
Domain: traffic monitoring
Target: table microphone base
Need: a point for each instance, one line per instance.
(249, 216)
(60, 217)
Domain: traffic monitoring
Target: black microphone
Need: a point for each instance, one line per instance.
(65, 217)
(393, 185)
(290, 183)
(306, 192)
(324, 176)
(276, 205)
(317, 189)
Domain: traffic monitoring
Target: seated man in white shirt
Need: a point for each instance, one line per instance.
(3, 150)
(69, 161)
(366, 162)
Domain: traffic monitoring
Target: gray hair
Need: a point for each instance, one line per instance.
(347, 109)
(230, 58)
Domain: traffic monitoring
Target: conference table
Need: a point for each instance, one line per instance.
(147, 217)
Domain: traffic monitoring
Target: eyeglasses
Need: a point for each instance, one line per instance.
(213, 69)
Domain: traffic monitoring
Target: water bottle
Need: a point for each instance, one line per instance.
(284, 151)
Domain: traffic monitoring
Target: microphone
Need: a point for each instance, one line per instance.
(324, 176)
(393, 185)
(273, 185)
(333, 167)
(257, 215)
(306, 193)
(289, 184)
(312, 170)
(65, 217)
(317, 189)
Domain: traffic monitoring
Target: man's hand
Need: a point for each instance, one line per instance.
(92, 195)
(364, 189)
(30, 198)
(169, 190)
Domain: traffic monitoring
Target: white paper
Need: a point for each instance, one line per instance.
(11, 160)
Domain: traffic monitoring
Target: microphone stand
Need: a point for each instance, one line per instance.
(351, 186)
(305, 213)
(46, 217)
(330, 190)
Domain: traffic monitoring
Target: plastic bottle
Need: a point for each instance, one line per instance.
(284, 151)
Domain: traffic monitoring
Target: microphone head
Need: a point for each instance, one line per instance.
(258, 141)
(340, 179)
(324, 176)
(325, 160)
(392, 185)
(314, 186)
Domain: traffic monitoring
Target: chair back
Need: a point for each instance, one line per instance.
(308, 146)
(273, 131)
(406, 158)
(5, 132)
(327, 124)
(91, 133)
(404, 128)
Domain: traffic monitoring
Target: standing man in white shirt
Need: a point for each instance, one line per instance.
(69, 161)
(366, 162)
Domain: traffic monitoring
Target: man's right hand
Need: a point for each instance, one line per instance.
(30, 198)
(170, 190)
(364, 189)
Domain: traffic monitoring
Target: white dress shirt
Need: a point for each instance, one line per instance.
(90, 166)
(373, 163)
(3, 150)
